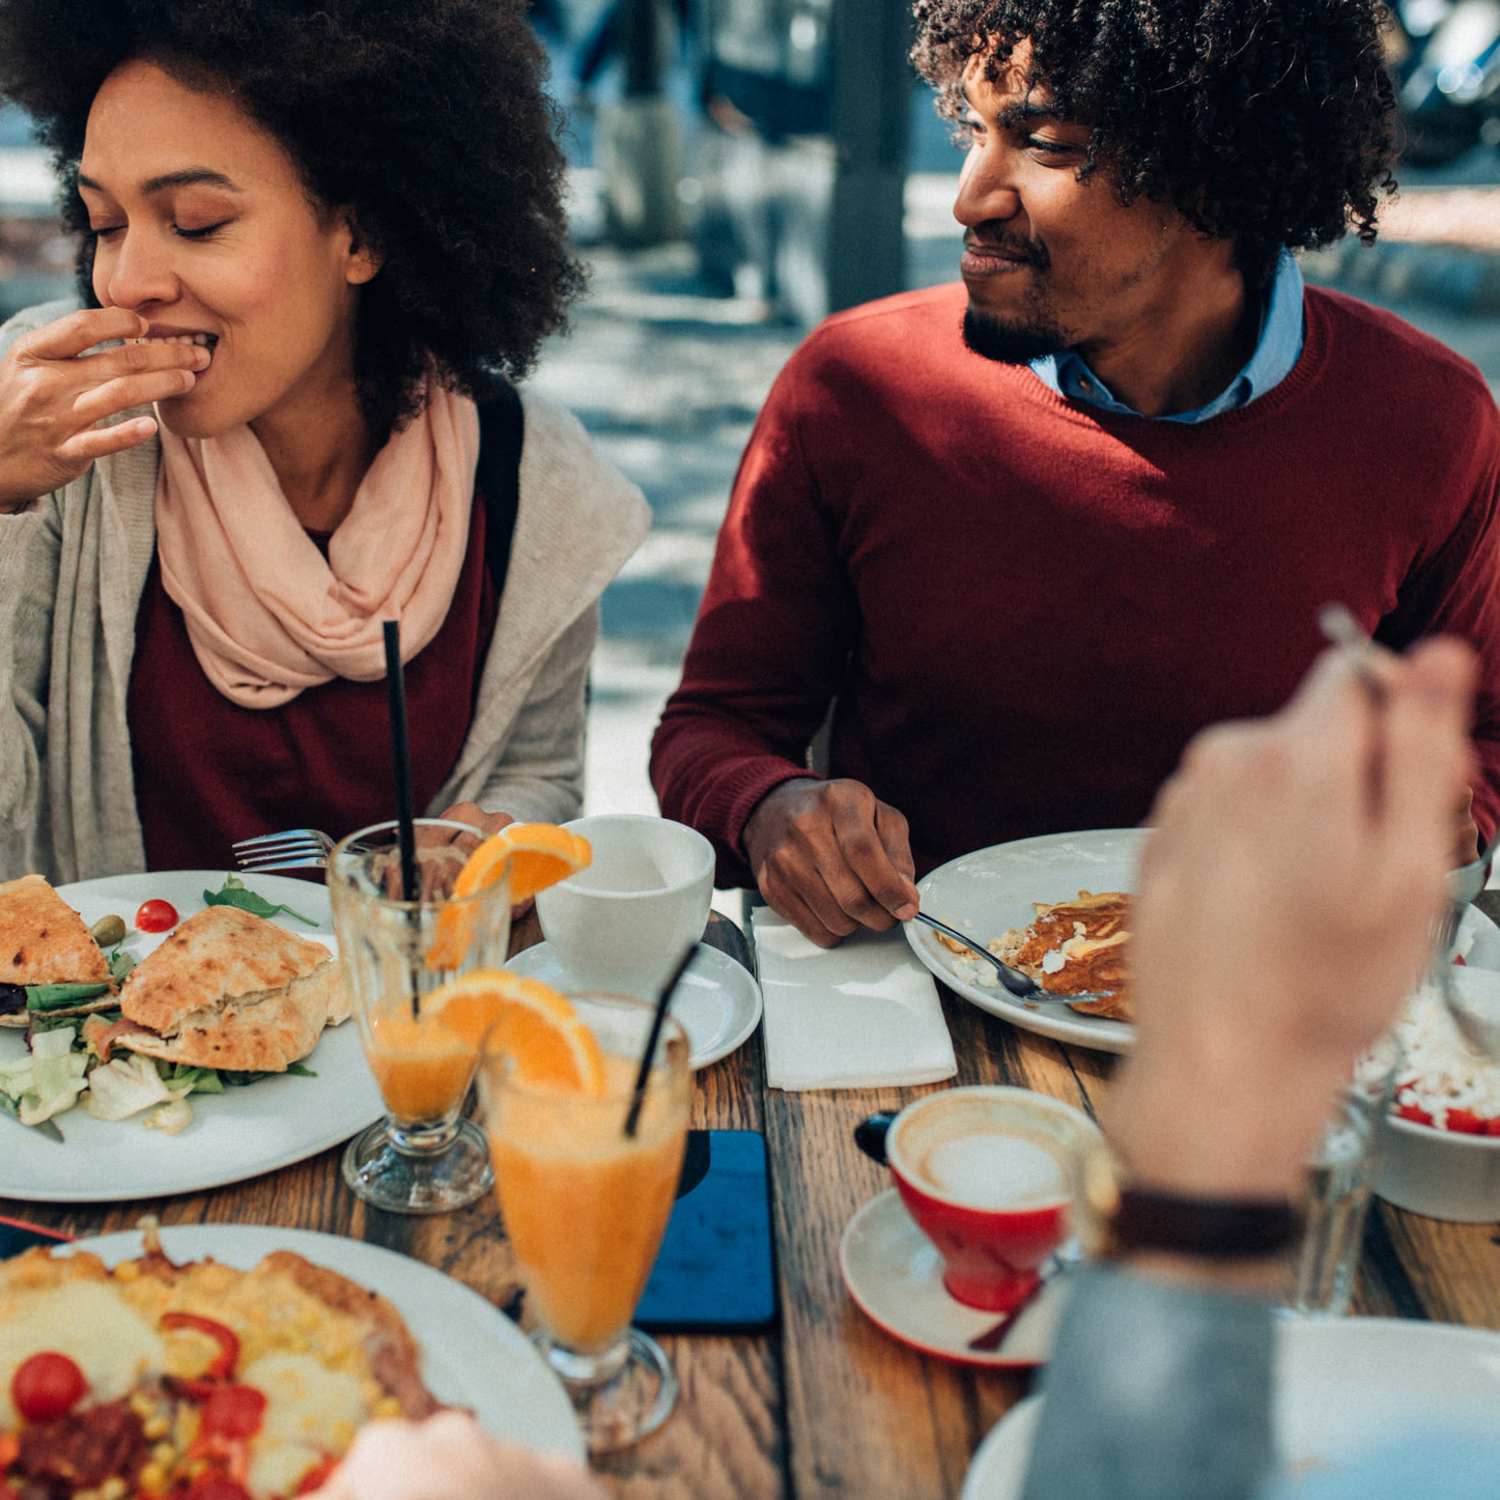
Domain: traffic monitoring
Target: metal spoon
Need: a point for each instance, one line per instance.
(1022, 986)
(1478, 1022)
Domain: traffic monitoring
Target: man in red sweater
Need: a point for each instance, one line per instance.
(1026, 535)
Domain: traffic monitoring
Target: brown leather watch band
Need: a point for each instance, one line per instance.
(1216, 1228)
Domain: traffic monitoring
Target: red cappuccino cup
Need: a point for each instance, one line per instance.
(989, 1174)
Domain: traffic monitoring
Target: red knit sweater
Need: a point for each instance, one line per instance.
(1023, 608)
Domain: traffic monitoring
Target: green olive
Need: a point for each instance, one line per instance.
(108, 931)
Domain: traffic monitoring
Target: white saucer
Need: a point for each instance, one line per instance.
(895, 1276)
(717, 1001)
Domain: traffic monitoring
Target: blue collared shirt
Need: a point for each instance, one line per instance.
(1275, 356)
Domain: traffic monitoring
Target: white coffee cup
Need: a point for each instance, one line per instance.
(622, 923)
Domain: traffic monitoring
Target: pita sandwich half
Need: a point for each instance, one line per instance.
(44, 941)
(230, 990)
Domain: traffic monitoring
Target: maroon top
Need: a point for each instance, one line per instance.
(1024, 608)
(208, 772)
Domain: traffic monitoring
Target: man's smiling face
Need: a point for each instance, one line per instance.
(1051, 263)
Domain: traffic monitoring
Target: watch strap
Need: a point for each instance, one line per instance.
(1216, 1228)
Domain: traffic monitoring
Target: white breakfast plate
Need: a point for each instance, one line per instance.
(472, 1354)
(240, 1133)
(718, 1001)
(894, 1274)
(986, 893)
(1344, 1387)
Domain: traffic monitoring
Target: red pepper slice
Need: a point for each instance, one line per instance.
(1465, 1122)
(232, 1412)
(228, 1356)
(317, 1476)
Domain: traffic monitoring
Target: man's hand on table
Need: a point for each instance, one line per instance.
(1285, 910)
(448, 1457)
(830, 857)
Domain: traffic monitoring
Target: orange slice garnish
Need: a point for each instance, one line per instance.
(533, 1024)
(536, 854)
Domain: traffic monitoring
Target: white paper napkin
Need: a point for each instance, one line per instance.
(857, 1016)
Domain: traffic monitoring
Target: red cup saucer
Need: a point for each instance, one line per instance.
(895, 1276)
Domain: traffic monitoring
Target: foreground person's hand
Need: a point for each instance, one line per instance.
(830, 857)
(448, 1457)
(1286, 907)
(52, 392)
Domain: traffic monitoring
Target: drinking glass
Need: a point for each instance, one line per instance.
(1340, 1178)
(585, 1207)
(422, 1158)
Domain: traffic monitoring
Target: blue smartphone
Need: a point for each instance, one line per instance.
(716, 1272)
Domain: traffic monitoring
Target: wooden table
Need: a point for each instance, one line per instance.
(827, 1405)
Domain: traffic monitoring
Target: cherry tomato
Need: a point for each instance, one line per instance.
(47, 1386)
(232, 1411)
(217, 1487)
(156, 915)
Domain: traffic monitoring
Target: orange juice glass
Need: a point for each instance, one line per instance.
(585, 1208)
(424, 1157)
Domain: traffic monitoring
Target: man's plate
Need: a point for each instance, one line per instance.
(986, 893)
(473, 1356)
(240, 1133)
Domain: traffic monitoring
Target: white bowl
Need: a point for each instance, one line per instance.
(1440, 1173)
(621, 924)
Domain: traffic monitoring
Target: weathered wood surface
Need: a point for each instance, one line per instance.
(828, 1405)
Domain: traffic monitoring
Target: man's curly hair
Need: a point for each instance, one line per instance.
(424, 120)
(1265, 122)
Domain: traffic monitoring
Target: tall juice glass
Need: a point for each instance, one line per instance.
(423, 1157)
(585, 1207)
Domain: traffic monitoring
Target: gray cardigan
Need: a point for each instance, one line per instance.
(72, 567)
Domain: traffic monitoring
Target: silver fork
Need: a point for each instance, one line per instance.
(1022, 986)
(292, 849)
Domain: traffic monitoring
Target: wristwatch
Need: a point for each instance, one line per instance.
(1119, 1216)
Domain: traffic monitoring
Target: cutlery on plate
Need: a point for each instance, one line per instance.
(1022, 986)
(1479, 1024)
(292, 849)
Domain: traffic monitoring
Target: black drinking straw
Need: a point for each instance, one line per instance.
(663, 1000)
(395, 681)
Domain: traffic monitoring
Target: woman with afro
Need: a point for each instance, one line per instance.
(318, 243)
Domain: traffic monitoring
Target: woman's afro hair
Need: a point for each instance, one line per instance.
(425, 121)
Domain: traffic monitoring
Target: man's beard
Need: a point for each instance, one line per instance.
(1011, 343)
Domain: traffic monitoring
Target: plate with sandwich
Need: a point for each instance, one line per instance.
(139, 1063)
(240, 1360)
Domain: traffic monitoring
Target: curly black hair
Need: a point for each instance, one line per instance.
(424, 120)
(1264, 122)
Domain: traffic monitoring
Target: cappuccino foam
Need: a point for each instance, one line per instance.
(995, 1169)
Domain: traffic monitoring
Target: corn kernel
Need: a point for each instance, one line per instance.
(85, 1495)
(157, 1426)
(127, 1271)
(143, 1406)
(152, 1479)
(164, 1454)
(387, 1406)
(113, 1488)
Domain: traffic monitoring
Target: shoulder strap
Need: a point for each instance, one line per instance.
(501, 434)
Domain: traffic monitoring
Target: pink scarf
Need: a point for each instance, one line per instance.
(267, 616)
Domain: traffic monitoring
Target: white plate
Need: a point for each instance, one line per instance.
(472, 1354)
(718, 1001)
(1344, 1387)
(895, 1276)
(986, 893)
(234, 1135)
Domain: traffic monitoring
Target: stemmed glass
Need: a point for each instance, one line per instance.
(422, 1158)
(585, 1207)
